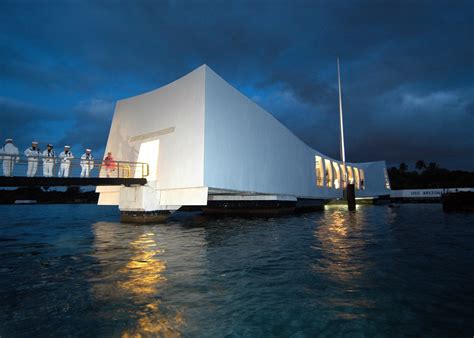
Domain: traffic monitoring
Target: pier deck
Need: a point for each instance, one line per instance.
(70, 181)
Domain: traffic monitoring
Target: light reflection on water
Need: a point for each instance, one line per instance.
(342, 260)
(139, 280)
(379, 271)
(144, 276)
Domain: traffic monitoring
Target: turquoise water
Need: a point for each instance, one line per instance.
(75, 271)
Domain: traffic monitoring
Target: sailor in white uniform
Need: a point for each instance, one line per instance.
(32, 153)
(9, 154)
(87, 163)
(65, 157)
(49, 159)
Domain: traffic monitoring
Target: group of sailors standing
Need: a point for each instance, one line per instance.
(10, 155)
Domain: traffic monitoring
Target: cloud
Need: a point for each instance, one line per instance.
(25, 122)
(406, 67)
(90, 127)
(433, 126)
(470, 108)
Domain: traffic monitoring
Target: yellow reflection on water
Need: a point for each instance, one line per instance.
(138, 281)
(337, 226)
(143, 278)
(342, 258)
(144, 270)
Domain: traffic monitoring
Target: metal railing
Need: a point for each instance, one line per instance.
(42, 166)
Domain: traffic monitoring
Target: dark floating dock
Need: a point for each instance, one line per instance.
(458, 201)
(65, 182)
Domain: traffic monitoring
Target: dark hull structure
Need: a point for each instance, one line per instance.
(458, 201)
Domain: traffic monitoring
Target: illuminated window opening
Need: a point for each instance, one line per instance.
(328, 168)
(387, 180)
(319, 169)
(356, 178)
(148, 153)
(337, 176)
(343, 175)
(350, 175)
(362, 179)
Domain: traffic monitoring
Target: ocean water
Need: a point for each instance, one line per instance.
(75, 271)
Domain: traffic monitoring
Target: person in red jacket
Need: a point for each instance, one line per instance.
(109, 164)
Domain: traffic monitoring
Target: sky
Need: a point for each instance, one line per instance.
(407, 69)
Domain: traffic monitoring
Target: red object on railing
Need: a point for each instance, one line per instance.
(109, 164)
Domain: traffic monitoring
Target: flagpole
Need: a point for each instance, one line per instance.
(343, 151)
(349, 192)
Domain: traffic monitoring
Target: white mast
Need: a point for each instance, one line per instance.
(343, 151)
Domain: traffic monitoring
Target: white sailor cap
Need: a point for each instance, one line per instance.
(8, 140)
(88, 149)
(50, 145)
(67, 147)
(34, 142)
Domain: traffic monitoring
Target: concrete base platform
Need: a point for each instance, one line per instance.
(144, 217)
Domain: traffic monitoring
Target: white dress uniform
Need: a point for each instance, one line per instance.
(87, 163)
(66, 157)
(9, 159)
(33, 158)
(49, 158)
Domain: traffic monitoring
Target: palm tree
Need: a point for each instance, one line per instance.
(403, 167)
(420, 164)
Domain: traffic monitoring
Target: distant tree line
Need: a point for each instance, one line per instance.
(429, 176)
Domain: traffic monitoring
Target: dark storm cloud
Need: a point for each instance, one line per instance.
(470, 108)
(25, 123)
(406, 66)
(91, 125)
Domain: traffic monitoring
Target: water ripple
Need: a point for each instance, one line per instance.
(377, 272)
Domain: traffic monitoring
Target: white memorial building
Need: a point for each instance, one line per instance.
(204, 141)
